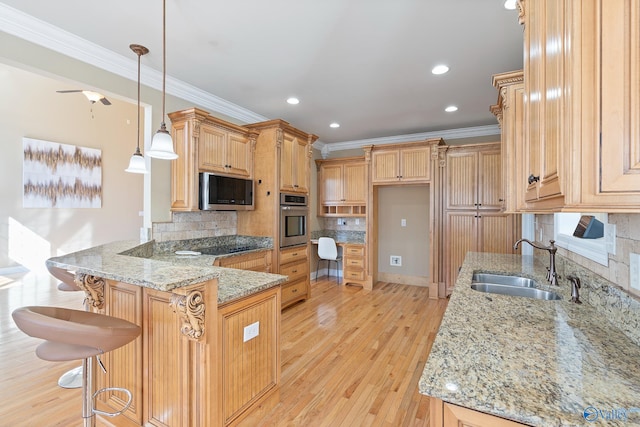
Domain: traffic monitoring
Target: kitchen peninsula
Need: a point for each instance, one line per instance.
(210, 345)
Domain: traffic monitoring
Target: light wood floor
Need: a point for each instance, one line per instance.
(349, 358)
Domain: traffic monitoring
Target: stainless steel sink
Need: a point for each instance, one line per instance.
(516, 291)
(501, 279)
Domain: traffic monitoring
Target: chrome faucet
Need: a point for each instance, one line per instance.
(575, 285)
(552, 275)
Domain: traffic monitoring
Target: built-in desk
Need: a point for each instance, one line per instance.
(353, 262)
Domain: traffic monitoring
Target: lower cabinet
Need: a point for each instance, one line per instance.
(353, 267)
(254, 261)
(448, 415)
(294, 262)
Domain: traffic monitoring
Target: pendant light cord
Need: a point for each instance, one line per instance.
(164, 56)
(138, 144)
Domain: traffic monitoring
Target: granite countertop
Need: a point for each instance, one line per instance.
(135, 263)
(352, 237)
(542, 363)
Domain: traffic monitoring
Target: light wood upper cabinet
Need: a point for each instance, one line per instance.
(206, 144)
(582, 105)
(474, 177)
(509, 110)
(342, 187)
(409, 162)
(294, 164)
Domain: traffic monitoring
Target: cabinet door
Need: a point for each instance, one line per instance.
(301, 166)
(212, 149)
(239, 156)
(619, 163)
(331, 183)
(286, 163)
(457, 416)
(385, 166)
(354, 183)
(489, 180)
(414, 164)
(461, 237)
(294, 165)
(496, 232)
(462, 173)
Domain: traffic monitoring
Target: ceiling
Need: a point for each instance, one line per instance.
(365, 64)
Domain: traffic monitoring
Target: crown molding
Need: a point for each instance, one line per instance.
(31, 29)
(449, 134)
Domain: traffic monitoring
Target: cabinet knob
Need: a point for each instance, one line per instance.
(533, 179)
(501, 200)
(294, 271)
(294, 291)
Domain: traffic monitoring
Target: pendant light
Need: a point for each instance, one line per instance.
(137, 164)
(162, 144)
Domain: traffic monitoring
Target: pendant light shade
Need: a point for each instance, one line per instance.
(137, 163)
(162, 144)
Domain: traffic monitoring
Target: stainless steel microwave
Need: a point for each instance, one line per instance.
(224, 193)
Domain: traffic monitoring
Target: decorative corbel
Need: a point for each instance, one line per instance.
(521, 11)
(93, 288)
(191, 309)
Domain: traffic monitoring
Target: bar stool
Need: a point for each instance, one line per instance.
(73, 377)
(73, 335)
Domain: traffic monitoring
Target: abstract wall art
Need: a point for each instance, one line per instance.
(61, 175)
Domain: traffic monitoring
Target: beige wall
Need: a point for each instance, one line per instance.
(31, 108)
(411, 242)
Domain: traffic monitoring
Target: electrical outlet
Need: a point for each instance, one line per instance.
(396, 260)
(357, 221)
(251, 331)
(403, 222)
(634, 271)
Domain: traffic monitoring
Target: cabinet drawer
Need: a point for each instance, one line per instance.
(354, 251)
(354, 274)
(293, 254)
(354, 262)
(293, 291)
(295, 271)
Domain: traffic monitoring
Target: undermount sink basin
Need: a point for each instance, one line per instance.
(516, 291)
(501, 279)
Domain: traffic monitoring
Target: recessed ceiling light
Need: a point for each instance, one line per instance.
(334, 125)
(439, 69)
(510, 4)
(451, 109)
(293, 101)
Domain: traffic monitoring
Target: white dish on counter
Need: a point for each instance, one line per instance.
(188, 253)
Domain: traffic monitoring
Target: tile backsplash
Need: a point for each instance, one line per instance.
(196, 225)
(346, 224)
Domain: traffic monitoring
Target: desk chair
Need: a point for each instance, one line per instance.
(328, 251)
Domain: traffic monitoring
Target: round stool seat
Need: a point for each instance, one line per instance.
(68, 287)
(68, 279)
(73, 334)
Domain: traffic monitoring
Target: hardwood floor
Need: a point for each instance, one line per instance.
(349, 358)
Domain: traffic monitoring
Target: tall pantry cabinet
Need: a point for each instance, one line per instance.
(282, 162)
(473, 198)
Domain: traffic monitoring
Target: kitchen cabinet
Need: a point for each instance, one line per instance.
(407, 163)
(443, 414)
(342, 187)
(223, 151)
(294, 164)
(249, 332)
(582, 103)
(509, 111)
(473, 217)
(294, 262)
(354, 264)
(206, 143)
(254, 261)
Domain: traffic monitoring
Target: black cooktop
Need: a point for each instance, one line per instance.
(222, 250)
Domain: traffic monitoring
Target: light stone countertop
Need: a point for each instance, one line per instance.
(542, 363)
(164, 272)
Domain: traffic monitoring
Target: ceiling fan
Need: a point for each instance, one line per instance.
(93, 97)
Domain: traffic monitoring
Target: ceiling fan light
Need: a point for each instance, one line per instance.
(137, 163)
(92, 96)
(162, 145)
